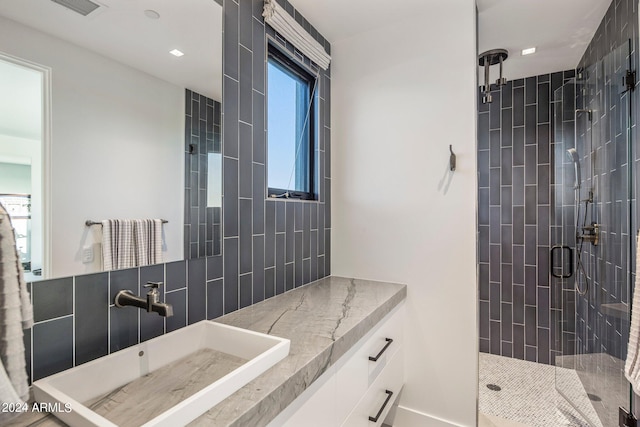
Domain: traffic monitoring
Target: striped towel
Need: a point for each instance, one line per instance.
(131, 243)
(118, 244)
(148, 241)
(16, 314)
(632, 365)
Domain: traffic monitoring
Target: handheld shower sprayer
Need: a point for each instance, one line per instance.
(573, 156)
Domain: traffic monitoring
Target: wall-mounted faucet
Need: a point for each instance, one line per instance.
(151, 303)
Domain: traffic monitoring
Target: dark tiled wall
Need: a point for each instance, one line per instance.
(611, 265)
(270, 246)
(516, 177)
(202, 224)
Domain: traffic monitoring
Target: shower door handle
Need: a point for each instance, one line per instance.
(552, 268)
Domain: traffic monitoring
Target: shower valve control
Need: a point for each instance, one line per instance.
(590, 233)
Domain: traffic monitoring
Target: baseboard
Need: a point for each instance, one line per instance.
(406, 417)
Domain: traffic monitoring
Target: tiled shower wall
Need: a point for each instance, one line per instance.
(270, 246)
(610, 265)
(203, 135)
(516, 176)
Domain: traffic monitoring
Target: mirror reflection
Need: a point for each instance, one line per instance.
(110, 110)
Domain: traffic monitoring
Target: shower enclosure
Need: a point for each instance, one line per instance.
(593, 233)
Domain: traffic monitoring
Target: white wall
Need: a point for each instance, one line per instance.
(400, 95)
(117, 145)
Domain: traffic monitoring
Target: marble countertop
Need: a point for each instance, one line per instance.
(323, 320)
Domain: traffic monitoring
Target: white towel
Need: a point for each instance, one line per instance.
(16, 314)
(632, 365)
(148, 241)
(118, 250)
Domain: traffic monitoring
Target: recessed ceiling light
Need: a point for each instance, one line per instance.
(176, 52)
(151, 14)
(528, 51)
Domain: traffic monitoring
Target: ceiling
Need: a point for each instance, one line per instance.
(559, 29)
(120, 30)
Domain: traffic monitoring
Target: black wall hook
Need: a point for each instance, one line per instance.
(452, 159)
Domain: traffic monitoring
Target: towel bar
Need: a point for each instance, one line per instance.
(89, 223)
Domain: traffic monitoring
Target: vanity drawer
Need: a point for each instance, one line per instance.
(380, 397)
(355, 373)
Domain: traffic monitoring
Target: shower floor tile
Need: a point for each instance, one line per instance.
(528, 395)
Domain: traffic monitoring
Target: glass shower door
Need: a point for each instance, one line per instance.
(592, 196)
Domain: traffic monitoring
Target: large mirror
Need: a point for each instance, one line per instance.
(109, 109)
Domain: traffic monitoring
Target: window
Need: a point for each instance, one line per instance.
(290, 128)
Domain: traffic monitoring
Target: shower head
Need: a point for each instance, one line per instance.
(573, 156)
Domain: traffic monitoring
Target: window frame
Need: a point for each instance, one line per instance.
(288, 64)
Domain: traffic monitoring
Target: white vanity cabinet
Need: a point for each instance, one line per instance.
(355, 387)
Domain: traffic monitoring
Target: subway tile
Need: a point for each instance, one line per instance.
(270, 282)
(246, 290)
(259, 197)
(518, 106)
(231, 116)
(231, 40)
(52, 298)
(214, 267)
(484, 319)
(506, 127)
(53, 352)
(530, 285)
(290, 230)
(298, 259)
(495, 337)
(230, 205)
(518, 341)
(530, 325)
(280, 263)
(196, 297)
(518, 179)
(506, 92)
(531, 89)
(518, 225)
(258, 269)
(259, 55)
(123, 327)
(245, 165)
(506, 322)
(176, 275)
(270, 231)
(215, 299)
(246, 257)
(231, 272)
(245, 30)
(92, 317)
(258, 129)
(483, 131)
(506, 166)
(289, 282)
(530, 126)
(178, 301)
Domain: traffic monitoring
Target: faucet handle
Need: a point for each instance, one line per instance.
(153, 285)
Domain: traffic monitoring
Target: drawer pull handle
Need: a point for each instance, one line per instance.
(384, 405)
(386, 346)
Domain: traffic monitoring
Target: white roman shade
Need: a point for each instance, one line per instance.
(283, 23)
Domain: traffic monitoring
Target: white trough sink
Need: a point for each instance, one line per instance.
(94, 386)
